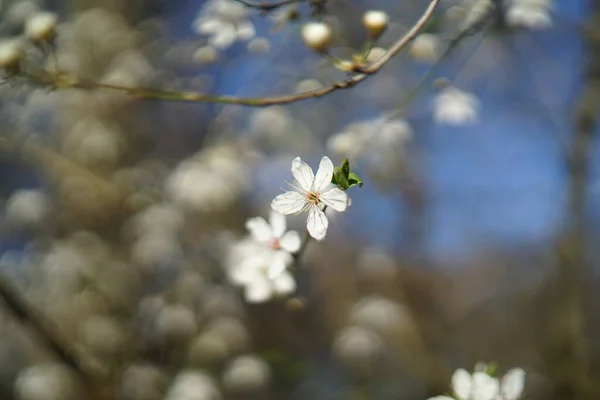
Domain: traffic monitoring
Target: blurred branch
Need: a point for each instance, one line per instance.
(60, 81)
(20, 309)
(570, 351)
(268, 6)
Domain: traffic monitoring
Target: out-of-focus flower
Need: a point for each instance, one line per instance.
(532, 14)
(312, 193)
(10, 55)
(246, 373)
(41, 27)
(225, 21)
(44, 382)
(482, 386)
(27, 208)
(426, 47)
(259, 46)
(274, 237)
(455, 107)
(357, 346)
(252, 266)
(317, 36)
(206, 55)
(193, 385)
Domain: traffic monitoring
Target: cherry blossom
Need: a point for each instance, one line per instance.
(312, 193)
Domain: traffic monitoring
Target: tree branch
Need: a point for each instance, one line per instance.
(62, 82)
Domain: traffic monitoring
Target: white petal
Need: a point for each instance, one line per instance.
(324, 174)
(461, 384)
(485, 387)
(303, 174)
(258, 291)
(206, 26)
(335, 198)
(513, 383)
(224, 37)
(278, 224)
(290, 242)
(259, 229)
(279, 262)
(245, 30)
(317, 223)
(288, 203)
(284, 284)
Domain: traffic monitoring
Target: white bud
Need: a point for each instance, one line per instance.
(41, 27)
(376, 22)
(317, 36)
(10, 55)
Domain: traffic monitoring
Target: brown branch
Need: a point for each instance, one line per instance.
(362, 73)
(267, 6)
(29, 317)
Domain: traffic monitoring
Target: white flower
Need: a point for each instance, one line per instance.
(41, 26)
(225, 21)
(533, 14)
(513, 383)
(250, 265)
(455, 107)
(313, 193)
(481, 386)
(273, 236)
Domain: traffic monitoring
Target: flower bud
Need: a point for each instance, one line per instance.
(317, 36)
(41, 27)
(375, 22)
(10, 56)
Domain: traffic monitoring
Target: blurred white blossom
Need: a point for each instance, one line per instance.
(532, 14)
(225, 21)
(455, 107)
(312, 193)
(481, 386)
(27, 208)
(193, 385)
(259, 271)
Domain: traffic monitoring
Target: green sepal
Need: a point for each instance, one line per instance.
(354, 180)
(340, 179)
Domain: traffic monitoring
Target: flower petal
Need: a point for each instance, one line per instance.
(461, 384)
(324, 174)
(245, 30)
(513, 383)
(485, 387)
(288, 203)
(259, 229)
(303, 174)
(278, 223)
(284, 283)
(336, 199)
(258, 291)
(317, 223)
(279, 262)
(290, 242)
(224, 37)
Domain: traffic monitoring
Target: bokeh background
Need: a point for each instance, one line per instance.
(473, 238)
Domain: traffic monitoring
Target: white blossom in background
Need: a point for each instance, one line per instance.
(532, 14)
(252, 266)
(274, 237)
(27, 208)
(210, 181)
(426, 47)
(40, 27)
(246, 373)
(482, 386)
(312, 193)
(225, 21)
(455, 107)
(193, 385)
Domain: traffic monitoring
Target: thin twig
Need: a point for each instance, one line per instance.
(267, 6)
(362, 73)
